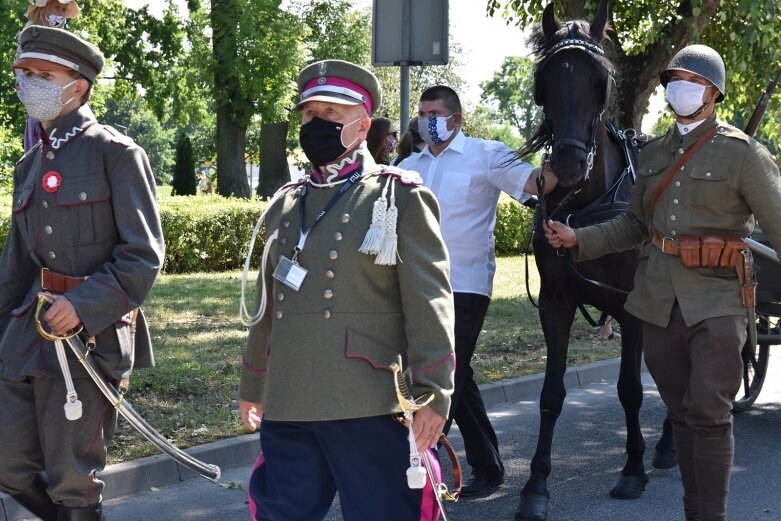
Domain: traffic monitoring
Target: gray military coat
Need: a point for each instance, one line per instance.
(324, 352)
(83, 205)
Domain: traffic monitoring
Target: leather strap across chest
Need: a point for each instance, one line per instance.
(678, 164)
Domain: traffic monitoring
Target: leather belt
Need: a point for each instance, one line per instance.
(668, 245)
(57, 282)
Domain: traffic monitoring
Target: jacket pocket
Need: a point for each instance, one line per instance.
(82, 194)
(361, 347)
(708, 186)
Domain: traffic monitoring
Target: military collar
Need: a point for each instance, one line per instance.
(67, 128)
(339, 171)
(678, 141)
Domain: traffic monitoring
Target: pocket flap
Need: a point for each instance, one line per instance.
(654, 166)
(88, 189)
(708, 174)
(22, 198)
(358, 345)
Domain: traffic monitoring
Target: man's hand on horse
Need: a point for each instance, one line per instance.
(551, 181)
(61, 315)
(559, 234)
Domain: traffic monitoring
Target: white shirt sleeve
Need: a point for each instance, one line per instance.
(508, 173)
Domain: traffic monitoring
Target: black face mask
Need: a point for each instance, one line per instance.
(322, 140)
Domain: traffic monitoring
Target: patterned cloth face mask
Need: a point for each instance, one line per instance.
(41, 97)
(433, 129)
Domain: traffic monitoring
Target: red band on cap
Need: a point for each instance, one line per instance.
(343, 83)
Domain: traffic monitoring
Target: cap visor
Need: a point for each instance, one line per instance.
(339, 99)
(37, 63)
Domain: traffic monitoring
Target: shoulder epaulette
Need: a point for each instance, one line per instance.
(118, 137)
(733, 132)
(406, 177)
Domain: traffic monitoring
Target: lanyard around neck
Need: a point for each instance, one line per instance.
(328, 206)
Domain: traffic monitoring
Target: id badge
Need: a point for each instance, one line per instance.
(289, 273)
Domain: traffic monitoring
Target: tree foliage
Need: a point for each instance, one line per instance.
(649, 32)
(511, 88)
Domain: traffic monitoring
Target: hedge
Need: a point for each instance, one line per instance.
(212, 233)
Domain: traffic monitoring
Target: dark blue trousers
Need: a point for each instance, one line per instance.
(304, 464)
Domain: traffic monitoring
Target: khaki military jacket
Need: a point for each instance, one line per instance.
(721, 188)
(324, 352)
(83, 205)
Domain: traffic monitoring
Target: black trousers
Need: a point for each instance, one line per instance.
(467, 407)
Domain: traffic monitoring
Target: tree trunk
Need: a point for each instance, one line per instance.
(231, 169)
(274, 170)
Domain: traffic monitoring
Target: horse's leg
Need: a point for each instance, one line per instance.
(664, 453)
(633, 479)
(556, 320)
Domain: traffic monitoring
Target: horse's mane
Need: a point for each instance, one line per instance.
(541, 46)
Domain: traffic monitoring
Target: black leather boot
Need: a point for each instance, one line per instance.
(35, 499)
(90, 513)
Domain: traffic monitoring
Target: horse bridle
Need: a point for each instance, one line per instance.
(596, 52)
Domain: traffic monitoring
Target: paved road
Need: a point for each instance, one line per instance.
(588, 456)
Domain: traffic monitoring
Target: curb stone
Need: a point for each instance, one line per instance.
(132, 477)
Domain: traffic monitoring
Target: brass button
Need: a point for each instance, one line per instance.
(82, 196)
(673, 218)
(333, 254)
(278, 314)
(327, 294)
(327, 314)
(52, 255)
(677, 184)
(48, 230)
(44, 204)
(281, 296)
(346, 218)
(49, 155)
(286, 224)
(283, 240)
(329, 274)
(338, 236)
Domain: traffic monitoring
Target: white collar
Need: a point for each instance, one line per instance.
(685, 129)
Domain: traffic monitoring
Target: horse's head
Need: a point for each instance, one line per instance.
(572, 80)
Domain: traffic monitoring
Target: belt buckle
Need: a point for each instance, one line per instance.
(671, 240)
(44, 271)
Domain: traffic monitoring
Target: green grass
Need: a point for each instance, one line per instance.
(190, 395)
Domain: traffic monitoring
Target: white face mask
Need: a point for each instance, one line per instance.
(42, 98)
(433, 129)
(56, 20)
(685, 97)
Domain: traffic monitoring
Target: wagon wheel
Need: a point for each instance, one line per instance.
(755, 360)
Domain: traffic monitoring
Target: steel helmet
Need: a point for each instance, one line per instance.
(700, 60)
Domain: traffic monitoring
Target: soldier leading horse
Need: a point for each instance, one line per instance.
(592, 160)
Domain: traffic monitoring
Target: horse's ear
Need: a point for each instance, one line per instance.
(549, 23)
(600, 21)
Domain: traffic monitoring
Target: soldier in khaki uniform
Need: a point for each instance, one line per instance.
(356, 282)
(85, 228)
(686, 289)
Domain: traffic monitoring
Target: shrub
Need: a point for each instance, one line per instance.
(212, 233)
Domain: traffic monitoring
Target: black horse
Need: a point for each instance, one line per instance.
(591, 160)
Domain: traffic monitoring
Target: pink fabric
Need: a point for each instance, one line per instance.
(429, 508)
(341, 82)
(253, 508)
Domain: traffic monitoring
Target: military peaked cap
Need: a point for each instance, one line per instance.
(337, 81)
(60, 47)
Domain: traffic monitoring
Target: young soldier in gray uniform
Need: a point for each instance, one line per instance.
(86, 230)
(345, 306)
(690, 218)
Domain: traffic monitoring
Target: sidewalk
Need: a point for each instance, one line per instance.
(133, 477)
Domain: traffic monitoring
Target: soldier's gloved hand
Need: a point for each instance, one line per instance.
(61, 315)
(427, 427)
(251, 414)
(559, 234)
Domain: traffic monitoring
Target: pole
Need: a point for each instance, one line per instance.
(404, 71)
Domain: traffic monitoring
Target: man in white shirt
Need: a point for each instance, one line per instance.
(467, 175)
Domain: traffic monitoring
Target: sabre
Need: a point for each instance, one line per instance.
(117, 398)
